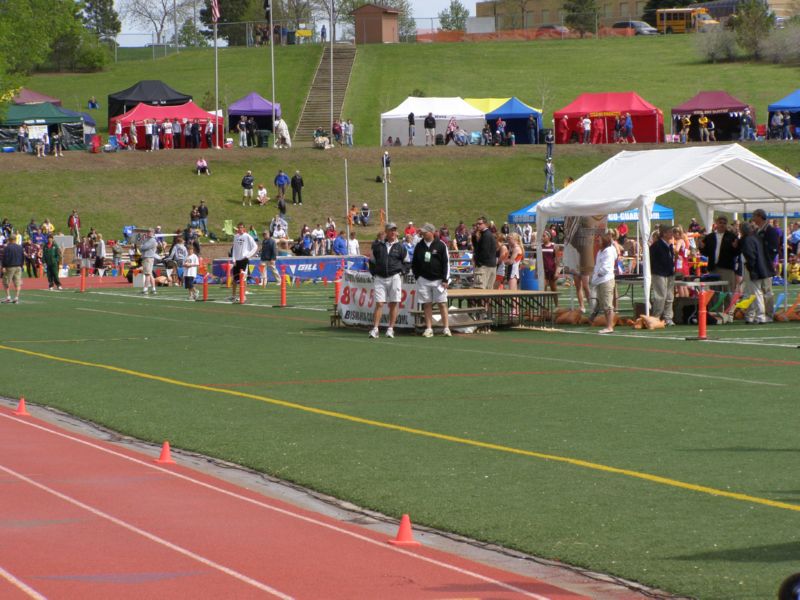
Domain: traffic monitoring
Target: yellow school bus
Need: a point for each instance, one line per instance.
(684, 20)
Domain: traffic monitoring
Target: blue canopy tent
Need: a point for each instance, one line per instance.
(515, 113)
(660, 213)
(790, 103)
(89, 124)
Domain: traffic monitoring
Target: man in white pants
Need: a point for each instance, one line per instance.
(244, 248)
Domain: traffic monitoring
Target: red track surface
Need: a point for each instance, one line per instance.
(86, 519)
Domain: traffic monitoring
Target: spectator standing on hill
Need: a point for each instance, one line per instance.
(177, 132)
(12, 261)
(533, 130)
(412, 128)
(586, 124)
(431, 267)
(430, 130)
(247, 187)
(703, 122)
(244, 248)
(484, 255)
(562, 130)
(297, 188)
(353, 247)
(209, 133)
(549, 176)
(252, 135)
(629, 137)
(187, 134)
(603, 279)
(281, 181)
(241, 128)
(323, 33)
(51, 254)
(202, 211)
(389, 262)
(386, 163)
(770, 237)
(549, 140)
(349, 130)
(662, 270)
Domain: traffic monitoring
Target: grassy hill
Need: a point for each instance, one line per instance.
(434, 184)
(241, 70)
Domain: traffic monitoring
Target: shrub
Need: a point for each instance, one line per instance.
(717, 45)
(782, 45)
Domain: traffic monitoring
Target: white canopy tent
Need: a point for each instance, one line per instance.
(718, 178)
(395, 122)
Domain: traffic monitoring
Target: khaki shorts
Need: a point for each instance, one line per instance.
(147, 265)
(387, 289)
(484, 278)
(12, 276)
(605, 295)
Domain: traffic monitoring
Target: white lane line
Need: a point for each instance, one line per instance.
(765, 341)
(21, 585)
(288, 513)
(564, 360)
(146, 534)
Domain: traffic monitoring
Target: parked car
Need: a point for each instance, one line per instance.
(639, 27)
(559, 30)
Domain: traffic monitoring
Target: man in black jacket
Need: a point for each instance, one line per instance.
(268, 256)
(756, 271)
(662, 272)
(484, 256)
(771, 243)
(431, 268)
(13, 259)
(430, 130)
(721, 246)
(389, 262)
(297, 188)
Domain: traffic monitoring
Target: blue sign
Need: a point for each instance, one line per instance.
(301, 267)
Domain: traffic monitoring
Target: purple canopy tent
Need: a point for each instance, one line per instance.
(254, 106)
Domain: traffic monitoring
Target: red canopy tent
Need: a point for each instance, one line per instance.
(603, 108)
(189, 111)
(724, 108)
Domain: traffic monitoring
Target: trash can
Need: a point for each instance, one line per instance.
(291, 38)
(527, 276)
(263, 136)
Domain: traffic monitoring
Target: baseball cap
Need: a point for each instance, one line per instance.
(391, 225)
(428, 228)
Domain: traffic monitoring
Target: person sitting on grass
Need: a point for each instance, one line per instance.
(201, 166)
(262, 197)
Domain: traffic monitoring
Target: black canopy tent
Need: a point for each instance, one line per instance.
(149, 91)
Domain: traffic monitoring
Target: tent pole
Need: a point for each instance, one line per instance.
(785, 260)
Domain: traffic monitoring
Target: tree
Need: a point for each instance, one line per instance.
(454, 17)
(190, 37)
(158, 14)
(581, 15)
(234, 11)
(101, 19)
(752, 23)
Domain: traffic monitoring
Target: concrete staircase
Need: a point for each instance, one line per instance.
(317, 109)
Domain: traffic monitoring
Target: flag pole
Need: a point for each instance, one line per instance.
(216, 89)
(347, 199)
(272, 65)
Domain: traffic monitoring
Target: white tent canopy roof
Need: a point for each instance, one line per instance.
(718, 178)
(722, 178)
(442, 108)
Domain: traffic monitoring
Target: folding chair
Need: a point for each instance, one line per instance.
(227, 227)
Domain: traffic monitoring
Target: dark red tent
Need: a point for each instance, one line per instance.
(648, 121)
(26, 96)
(719, 106)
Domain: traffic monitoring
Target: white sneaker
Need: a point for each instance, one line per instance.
(427, 333)
(390, 333)
(446, 332)
(373, 333)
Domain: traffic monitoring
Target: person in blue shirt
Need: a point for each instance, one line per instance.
(281, 181)
(340, 245)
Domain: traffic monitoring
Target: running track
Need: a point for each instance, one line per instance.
(80, 518)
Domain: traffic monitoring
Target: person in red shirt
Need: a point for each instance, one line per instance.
(410, 229)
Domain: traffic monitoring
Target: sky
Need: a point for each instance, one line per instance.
(432, 8)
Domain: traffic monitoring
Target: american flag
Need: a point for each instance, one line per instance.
(214, 11)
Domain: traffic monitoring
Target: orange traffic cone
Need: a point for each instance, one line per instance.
(165, 458)
(21, 410)
(404, 535)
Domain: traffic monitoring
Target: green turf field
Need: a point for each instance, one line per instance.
(643, 455)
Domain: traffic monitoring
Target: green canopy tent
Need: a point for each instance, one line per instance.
(37, 117)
